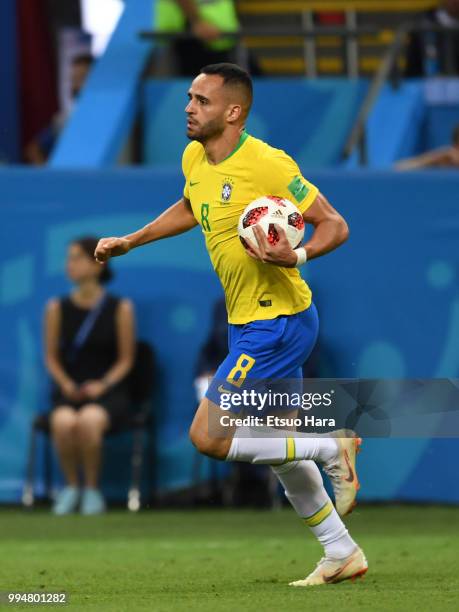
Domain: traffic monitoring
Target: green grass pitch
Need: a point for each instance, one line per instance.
(228, 560)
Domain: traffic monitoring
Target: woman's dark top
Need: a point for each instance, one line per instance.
(100, 350)
(97, 355)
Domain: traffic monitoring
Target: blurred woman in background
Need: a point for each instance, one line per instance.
(89, 346)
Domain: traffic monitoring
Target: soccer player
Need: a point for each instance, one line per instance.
(273, 323)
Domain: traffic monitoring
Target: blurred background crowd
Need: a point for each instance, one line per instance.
(58, 43)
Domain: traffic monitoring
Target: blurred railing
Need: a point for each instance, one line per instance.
(308, 33)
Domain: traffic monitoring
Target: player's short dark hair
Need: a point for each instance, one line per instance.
(83, 59)
(456, 135)
(232, 75)
(88, 246)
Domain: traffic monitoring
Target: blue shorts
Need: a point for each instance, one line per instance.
(265, 350)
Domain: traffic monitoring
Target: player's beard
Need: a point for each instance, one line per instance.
(203, 133)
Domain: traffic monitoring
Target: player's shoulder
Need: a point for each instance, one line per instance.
(192, 148)
(267, 153)
(192, 151)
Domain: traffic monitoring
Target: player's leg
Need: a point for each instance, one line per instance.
(212, 437)
(267, 350)
(93, 422)
(303, 486)
(304, 489)
(336, 455)
(208, 434)
(301, 479)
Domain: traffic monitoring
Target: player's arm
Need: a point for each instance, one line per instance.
(280, 176)
(175, 220)
(330, 231)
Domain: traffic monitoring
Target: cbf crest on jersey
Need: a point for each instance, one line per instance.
(227, 190)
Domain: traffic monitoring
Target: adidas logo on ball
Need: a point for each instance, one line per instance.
(267, 212)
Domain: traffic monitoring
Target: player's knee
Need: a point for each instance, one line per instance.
(199, 439)
(212, 447)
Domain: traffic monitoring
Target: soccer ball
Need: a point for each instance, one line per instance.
(266, 212)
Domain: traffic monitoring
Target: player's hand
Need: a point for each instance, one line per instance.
(280, 254)
(205, 31)
(111, 247)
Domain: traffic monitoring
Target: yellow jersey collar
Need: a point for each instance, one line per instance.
(242, 139)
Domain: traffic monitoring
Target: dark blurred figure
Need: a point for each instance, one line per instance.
(40, 148)
(89, 346)
(446, 157)
(214, 350)
(205, 20)
(432, 53)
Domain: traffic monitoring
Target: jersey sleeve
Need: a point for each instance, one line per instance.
(281, 177)
(190, 154)
(186, 170)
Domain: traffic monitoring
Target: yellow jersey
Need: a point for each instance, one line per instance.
(219, 194)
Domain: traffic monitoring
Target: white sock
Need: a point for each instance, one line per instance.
(278, 449)
(305, 491)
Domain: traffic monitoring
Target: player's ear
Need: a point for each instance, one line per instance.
(234, 112)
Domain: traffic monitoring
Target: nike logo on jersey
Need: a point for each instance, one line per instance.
(193, 184)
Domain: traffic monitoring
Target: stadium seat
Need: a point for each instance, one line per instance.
(139, 420)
